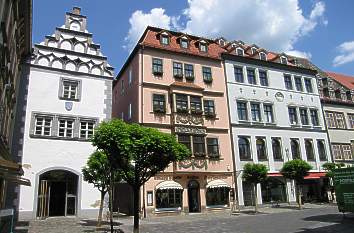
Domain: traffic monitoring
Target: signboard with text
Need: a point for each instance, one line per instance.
(344, 187)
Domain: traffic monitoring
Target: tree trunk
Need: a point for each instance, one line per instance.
(299, 196)
(255, 198)
(99, 220)
(136, 208)
(110, 208)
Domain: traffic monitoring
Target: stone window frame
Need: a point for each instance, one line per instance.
(55, 125)
(61, 88)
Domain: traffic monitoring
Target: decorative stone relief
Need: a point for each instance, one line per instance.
(187, 130)
(189, 119)
(193, 163)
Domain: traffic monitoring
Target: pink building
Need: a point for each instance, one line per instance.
(176, 83)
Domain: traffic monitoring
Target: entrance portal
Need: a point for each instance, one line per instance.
(193, 196)
(57, 194)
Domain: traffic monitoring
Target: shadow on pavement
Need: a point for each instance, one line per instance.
(104, 228)
(22, 227)
(330, 223)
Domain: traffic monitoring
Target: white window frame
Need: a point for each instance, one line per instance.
(87, 129)
(43, 125)
(284, 60)
(66, 128)
(260, 56)
(76, 90)
(239, 49)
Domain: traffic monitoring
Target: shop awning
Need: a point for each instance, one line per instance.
(217, 184)
(274, 174)
(169, 185)
(315, 175)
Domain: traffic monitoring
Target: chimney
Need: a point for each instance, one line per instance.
(76, 10)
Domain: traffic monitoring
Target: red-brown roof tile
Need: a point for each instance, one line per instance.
(152, 40)
(345, 80)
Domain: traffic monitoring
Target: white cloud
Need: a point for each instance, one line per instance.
(298, 53)
(140, 20)
(273, 24)
(346, 53)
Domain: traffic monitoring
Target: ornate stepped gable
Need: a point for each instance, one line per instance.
(71, 48)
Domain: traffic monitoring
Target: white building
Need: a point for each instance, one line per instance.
(275, 116)
(69, 91)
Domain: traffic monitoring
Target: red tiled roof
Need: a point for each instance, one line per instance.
(151, 39)
(345, 80)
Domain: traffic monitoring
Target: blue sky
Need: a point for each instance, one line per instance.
(321, 30)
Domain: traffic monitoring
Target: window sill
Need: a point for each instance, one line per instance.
(59, 138)
(217, 206)
(278, 160)
(246, 160)
(167, 210)
(244, 122)
(67, 99)
(270, 123)
(295, 125)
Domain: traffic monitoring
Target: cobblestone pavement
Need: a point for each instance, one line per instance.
(313, 219)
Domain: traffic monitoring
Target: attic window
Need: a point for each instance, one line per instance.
(164, 39)
(221, 42)
(254, 50)
(184, 43)
(262, 56)
(203, 47)
(239, 52)
(283, 60)
(349, 96)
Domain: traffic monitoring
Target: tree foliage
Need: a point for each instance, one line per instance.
(255, 173)
(138, 152)
(329, 168)
(97, 172)
(296, 169)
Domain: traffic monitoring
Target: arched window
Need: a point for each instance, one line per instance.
(276, 147)
(295, 149)
(321, 150)
(244, 148)
(261, 149)
(309, 150)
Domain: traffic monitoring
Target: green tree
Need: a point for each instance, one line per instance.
(296, 170)
(138, 152)
(97, 172)
(255, 174)
(329, 168)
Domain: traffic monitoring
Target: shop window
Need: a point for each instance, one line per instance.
(217, 196)
(273, 190)
(168, 198)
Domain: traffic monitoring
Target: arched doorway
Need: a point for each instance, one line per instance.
(193, 196)
(57, 194)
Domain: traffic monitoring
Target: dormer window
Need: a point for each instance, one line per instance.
(239, 52)
(349, 96)
(164, 39)
(203, 47)
(283, 60)
(262, 56)
(184, 43)
(254, 50)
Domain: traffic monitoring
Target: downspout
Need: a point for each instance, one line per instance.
(327, 133)
(234, 172)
